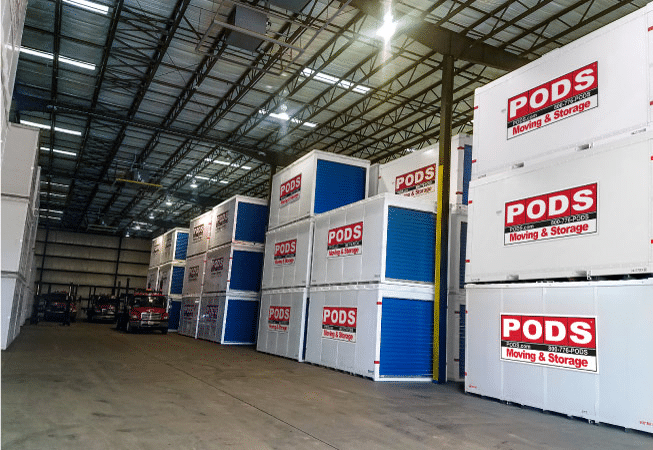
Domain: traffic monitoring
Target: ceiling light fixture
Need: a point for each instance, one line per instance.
(151, 216)
(224, 182)
(61, 152)
(319, 76)
(90, 6)
(52, 183)
(62, 59)
(193, 184)
(137, 227)
(168, 201)
(388, 28)
(53, 194)
(49, 127)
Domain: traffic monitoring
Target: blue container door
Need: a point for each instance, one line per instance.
(406, 338)
(177, 282)
(461, 342)
(410, 251)
(337, 185)
(246, 271)
(467, 172)
(251, 221)
(173, 315)
(463, 255)
(242, 317)
(182, 245)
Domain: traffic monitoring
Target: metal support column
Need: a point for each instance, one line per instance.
(442, 225)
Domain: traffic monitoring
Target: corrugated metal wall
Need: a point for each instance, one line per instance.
(95, 263)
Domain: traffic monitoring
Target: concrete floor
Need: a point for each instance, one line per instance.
(89, 386)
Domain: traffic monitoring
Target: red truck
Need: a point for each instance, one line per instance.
(143, 310)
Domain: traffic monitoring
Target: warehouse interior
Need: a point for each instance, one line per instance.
(147, 117)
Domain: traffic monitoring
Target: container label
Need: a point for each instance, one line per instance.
(155, 248)
(217, 264)
(221, 221)
(285, 253)
(416, 183)
(548, 340)
(345, 241)
(339, 323)
(560, 214)
(198, 233)
(211, 312)
(193, 273)
(189, 311)
(566, 96)
(290, 191)
(279, 318)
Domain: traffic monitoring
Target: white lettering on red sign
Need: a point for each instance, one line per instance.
(556, 341)
(217, 264)
(279, 318)
(416, 183)
(198, 232)
(285, 252)
(339, 323)
(345, 241)
(290, 191)
(566, 96)
(564, 213)
(221, 221)
(193, 273)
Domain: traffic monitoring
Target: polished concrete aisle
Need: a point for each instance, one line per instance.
(91, 387)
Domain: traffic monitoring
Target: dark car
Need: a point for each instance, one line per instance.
(101, 308)
(54, 306)
(143, 310)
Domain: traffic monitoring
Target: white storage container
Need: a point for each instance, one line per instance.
(576, 348)
(19, 161)
(416, 174)
(456, 337)
(194, 275)
(188, 316)
(171, 279)
(233, 268)
(385, 237)
(594, 88)
(282, 322)
(380, 331)
(175, 245)
(11, 305)
(155, 252)
(229, 318)
(199, 233)
(288, 255)
(152, 281)
(316, 183)
(588, 214)
(15, 233)
(241, 220)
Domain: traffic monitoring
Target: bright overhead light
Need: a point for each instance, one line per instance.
(193, 184)
(224, 182)
(62, 59)
(52, 183)
(168, 201)
(43, 216)
(61, 152)
(48, 127)
(388, 28)
(137, 227)
(53, 194)
(319, 76)
(77, 63)
(90, 6)
(151, 216)
(225, 163)
(52, 211)
(127, 233)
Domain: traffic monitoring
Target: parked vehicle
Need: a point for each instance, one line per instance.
(54, 306)
(101, 308)
(143, 310)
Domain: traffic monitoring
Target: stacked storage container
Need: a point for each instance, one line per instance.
(198, 243)
(314, 184)
(170, 277)
(20, 194)
(556, 170)
(232, 278)
(415, 176)
(371, 308)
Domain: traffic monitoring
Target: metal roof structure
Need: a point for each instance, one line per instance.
(154, 111)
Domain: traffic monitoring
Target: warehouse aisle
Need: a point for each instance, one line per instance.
(90, 387)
